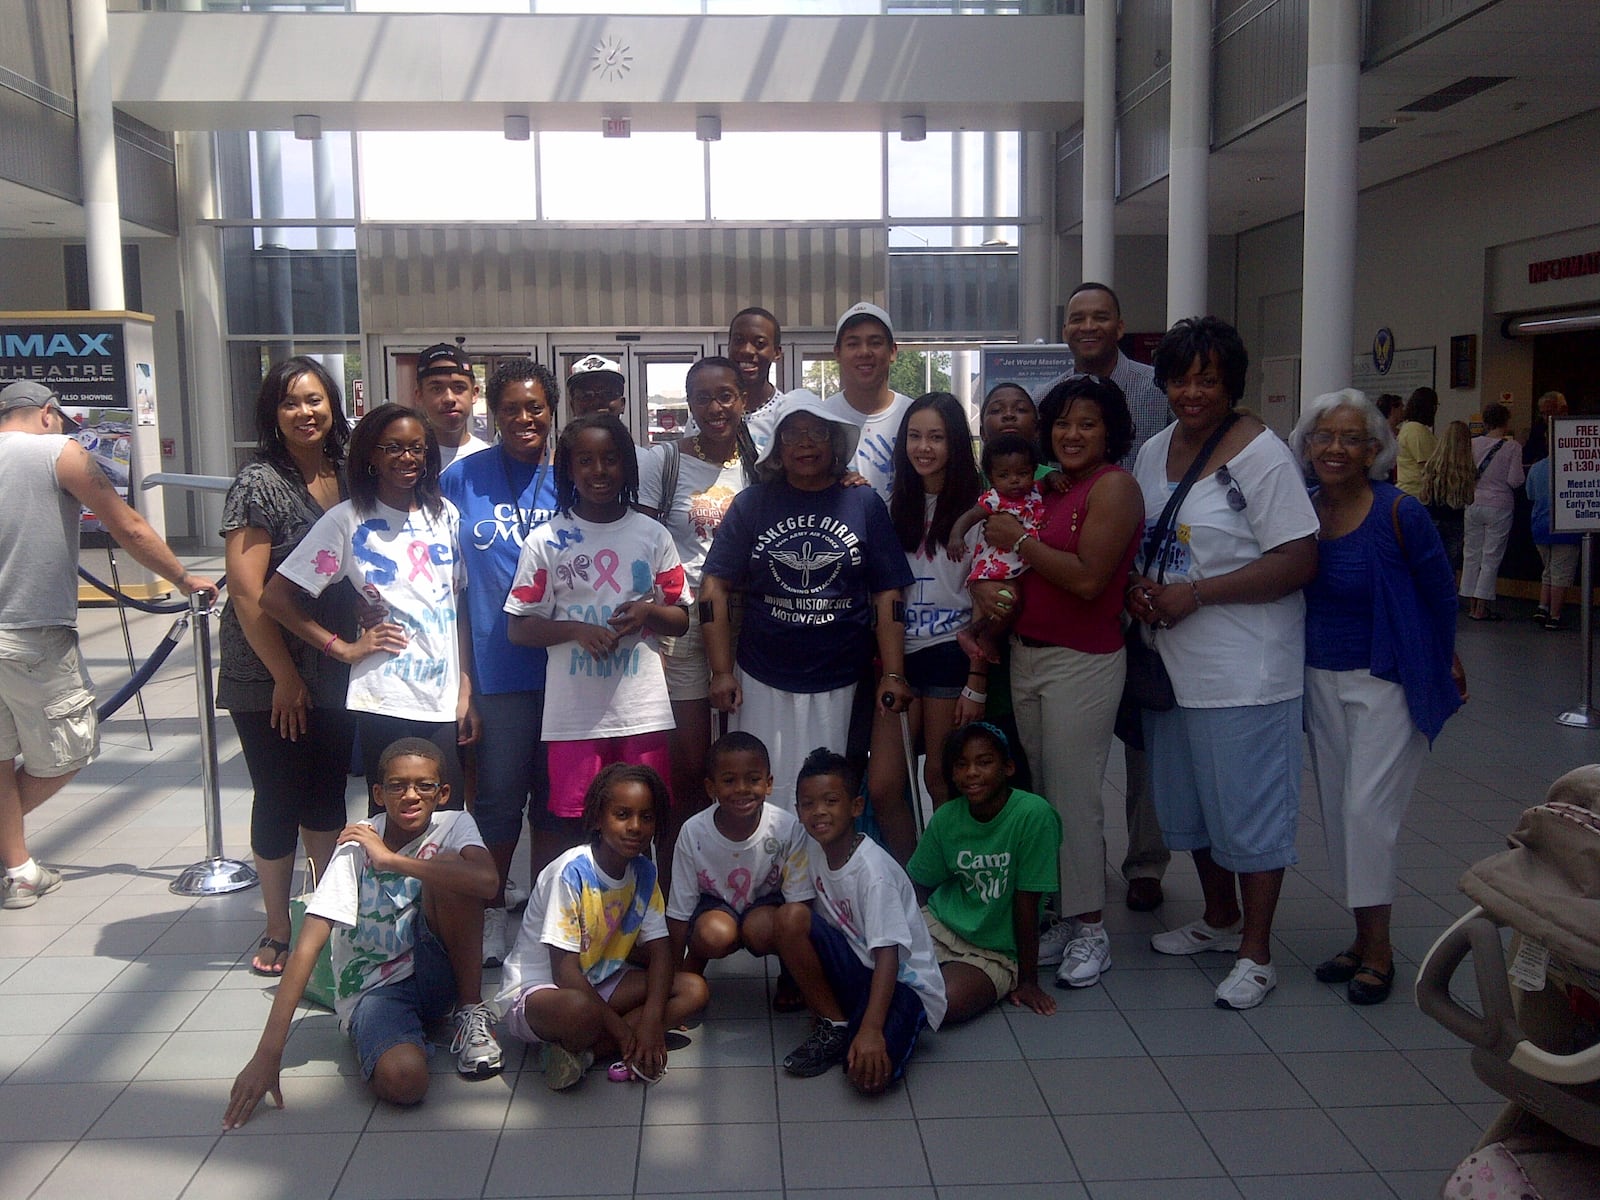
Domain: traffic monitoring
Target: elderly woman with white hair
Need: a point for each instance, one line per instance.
(1381, 671)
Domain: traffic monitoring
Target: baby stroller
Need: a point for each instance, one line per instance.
(1537, 1039)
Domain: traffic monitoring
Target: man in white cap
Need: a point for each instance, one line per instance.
(446, 395)
(47, 712)
(596, 384)
(864, 347)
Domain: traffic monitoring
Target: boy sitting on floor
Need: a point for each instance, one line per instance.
(402, 899)
(863, 957)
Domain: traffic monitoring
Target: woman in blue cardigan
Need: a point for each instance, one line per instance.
(1381, 671)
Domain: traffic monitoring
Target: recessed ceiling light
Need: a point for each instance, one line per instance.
(1262, 178)
(41, 222)
(1400, 120)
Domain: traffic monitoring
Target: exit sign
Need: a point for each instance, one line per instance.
(617, 127)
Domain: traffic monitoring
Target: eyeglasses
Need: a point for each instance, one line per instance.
(396, 450)
(1323, 438)
(397, 788)
(1236, 500)
(804, 435)
(725, 397)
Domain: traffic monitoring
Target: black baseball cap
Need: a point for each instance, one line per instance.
(442, 358)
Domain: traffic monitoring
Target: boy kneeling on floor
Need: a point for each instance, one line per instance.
(863, 958)
(402, 900)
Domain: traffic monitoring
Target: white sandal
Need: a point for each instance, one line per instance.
(1247, 984)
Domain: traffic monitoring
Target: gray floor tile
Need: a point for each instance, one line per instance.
(302, 1166)
(711, 1096)
(841, 1154)
(987, 1037)
(985, 1150)
(215, 1055)
(133, 1012)
(1344, 1079)
(1217, 1082)
(1014, 1191)
(423, 1164)
(563, 1162)
(80, 1058)
(1355, 1186)
(150, 1168)
(596, 1103)
(1138, 990)
(1404, 1027)
(24, 1165)
(1137, 1146)
(40, 1015)
(1408, 1137)
(912, 1193)
(710, 1158)
(1284, 1142)
(1077, 1035)
(737, 997)
(975, 1089)
(743, 1043)
(1103, 1085)
(173, 973)
(1213, 1188)
(52, 1111)
(831, 1097)
(1208, 1030)
(1302, 1030)
(452, 1102)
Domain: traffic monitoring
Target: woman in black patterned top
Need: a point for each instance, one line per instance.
(286, 700)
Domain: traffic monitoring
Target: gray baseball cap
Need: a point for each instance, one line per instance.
(25, 393)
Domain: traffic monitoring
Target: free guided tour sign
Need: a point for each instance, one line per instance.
(1575, 474)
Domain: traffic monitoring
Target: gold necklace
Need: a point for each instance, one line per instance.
(699, 452)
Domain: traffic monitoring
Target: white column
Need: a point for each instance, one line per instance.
(1332, 126)
(1188, 219)
(1099, 140)
(97, 155)
(210, 416)
(324, 184)
(993, 186)
(1036, 239)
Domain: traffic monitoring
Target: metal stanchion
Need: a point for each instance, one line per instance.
(214, 875)
(1585, 716)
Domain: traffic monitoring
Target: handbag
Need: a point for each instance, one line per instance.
(320, 987)
(1148, 686)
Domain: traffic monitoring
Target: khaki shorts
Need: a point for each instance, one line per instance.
(950, 946)
(683, 658)
(46, 707)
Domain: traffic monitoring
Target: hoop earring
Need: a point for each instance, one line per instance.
(372, 470)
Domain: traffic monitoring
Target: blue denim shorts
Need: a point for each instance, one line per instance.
(1228, 780)
(401, 1012)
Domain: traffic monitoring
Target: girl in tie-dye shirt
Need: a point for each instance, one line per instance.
(397, 542)
(568, 981)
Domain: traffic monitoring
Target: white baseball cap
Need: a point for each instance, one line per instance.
(863, 311)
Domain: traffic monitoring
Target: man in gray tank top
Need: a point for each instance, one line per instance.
(46, 708)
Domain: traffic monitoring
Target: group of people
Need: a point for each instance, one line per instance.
(830, 578)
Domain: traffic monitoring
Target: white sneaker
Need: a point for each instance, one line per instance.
(516, 894)
(477, 1053)
(563, 1068)
(1053, 943)
(25, 893)
(1197, 936)
(494, 936)
(1086, 957)
(1247, 984)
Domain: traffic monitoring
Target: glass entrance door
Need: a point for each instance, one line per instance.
(657, 407)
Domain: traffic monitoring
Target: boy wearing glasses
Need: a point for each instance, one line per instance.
(402, 903)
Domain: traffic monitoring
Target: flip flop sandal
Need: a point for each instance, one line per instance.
(621, 1072)
(280, 951)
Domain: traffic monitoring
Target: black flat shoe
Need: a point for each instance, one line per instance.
(1341, 968)
(1361, 992)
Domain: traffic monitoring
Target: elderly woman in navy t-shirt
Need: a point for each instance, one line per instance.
(822, 573)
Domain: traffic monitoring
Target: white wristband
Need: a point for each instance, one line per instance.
(976, 697)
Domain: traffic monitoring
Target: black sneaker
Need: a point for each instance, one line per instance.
(824, 1048)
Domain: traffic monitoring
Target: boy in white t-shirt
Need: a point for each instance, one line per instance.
(738, 864)
(863, 958)
(400, 892)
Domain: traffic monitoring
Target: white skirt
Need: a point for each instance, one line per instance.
(792, 725)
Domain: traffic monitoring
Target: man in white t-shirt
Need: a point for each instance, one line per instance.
(447, 395)
(863, 346)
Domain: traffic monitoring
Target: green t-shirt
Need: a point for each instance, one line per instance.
(974, 869)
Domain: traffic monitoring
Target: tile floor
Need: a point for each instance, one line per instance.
(127, 1010)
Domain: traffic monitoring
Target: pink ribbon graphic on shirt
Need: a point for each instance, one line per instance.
(606, 563)
(421, 564)
(739, 881)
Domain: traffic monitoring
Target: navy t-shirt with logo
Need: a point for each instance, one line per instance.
(809, 563)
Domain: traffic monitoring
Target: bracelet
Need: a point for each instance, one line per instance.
(328, 645)
(978, 675)
(893, 675)
(976, 697)
(1017, 547)
(1194, 590)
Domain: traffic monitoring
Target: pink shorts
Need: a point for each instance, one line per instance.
(573, 765)
(516, 1018)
